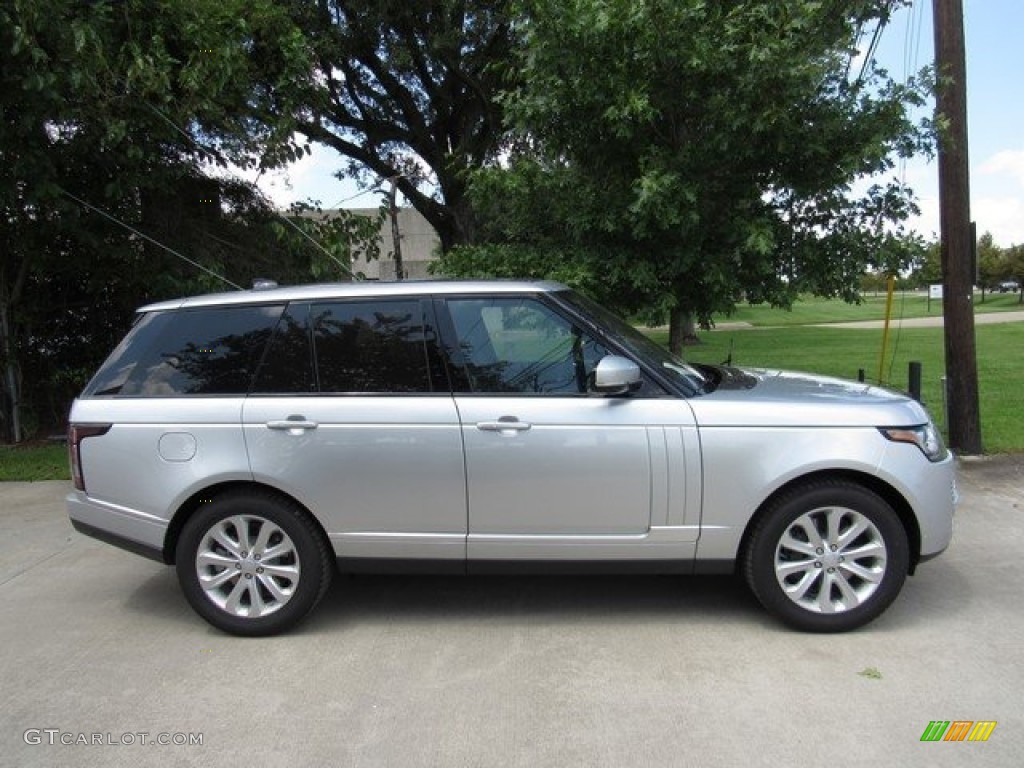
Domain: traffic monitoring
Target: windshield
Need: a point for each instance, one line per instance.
(638, 344)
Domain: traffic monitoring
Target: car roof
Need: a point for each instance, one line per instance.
(374, 289)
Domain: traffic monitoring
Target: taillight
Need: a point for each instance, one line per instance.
(76, 434)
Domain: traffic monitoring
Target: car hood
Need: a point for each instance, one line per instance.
(758, 397)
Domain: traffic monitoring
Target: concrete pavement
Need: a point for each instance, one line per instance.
(520, 671)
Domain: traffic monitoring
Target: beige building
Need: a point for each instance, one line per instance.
(419, 244)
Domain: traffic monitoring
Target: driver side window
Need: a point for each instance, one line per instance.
(520, 345)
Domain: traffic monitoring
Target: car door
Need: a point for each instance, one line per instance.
(552, 471)
(352, 415)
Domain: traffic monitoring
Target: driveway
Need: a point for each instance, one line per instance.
(99, 645)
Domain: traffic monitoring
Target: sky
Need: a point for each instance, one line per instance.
(994, 31)
(995, 111)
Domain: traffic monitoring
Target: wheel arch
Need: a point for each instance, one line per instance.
(887, 492)
(192, 504)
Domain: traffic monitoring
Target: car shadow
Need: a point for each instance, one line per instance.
(160, 597)
(362, 599)
(687, 601)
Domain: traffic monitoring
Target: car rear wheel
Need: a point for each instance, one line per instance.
(252, 563)
(827, 557)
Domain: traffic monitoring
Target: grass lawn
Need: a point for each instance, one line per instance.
(810, 309)
(841, 352)
(34, 462)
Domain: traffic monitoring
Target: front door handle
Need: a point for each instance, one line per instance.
(293, 423)
(506, 425)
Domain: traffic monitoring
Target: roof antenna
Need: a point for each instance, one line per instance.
(728, 360)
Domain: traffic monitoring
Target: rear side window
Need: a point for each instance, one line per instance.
(210, 351)
(378, 346)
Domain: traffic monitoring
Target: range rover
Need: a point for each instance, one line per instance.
(260, 441)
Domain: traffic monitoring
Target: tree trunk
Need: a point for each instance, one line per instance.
(456, 222)
(682, 330)
(8, 345)
(11, 382)
(453, 219)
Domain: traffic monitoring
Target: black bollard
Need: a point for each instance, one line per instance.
(914, 376)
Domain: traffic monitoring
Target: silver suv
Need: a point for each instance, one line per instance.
(260, 440)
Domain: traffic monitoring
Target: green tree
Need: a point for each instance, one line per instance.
(1014, 268)
(119, 111)
(991, 261)
(693, 154)
(927, 267)
(403, 88)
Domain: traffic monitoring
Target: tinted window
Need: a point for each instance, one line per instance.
(288, 364)
(521, 345)
(112, 375)
(378, 346)
(191, 352)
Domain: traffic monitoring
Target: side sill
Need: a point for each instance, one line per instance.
(511, 567)
(571, 567)
(401, 565)
(135, 547)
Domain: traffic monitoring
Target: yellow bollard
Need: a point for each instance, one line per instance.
(891, 288)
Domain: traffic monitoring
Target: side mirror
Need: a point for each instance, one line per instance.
(615, 375)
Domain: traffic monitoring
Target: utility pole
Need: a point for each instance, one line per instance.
(396, 236)
(954, 213)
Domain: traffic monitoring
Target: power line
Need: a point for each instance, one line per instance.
(872, 48)
(369, 191)
(311, 239)
(277, 213)
(146, 237)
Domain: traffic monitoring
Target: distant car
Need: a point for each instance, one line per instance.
(1009, 286)
(260, 439)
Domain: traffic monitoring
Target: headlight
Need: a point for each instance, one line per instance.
(926, 437)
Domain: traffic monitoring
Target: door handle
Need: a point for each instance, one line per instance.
(297, 423)
(507, 424)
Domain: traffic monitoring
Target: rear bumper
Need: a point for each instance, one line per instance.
(125, 528)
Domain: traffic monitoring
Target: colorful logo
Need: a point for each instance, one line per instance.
(958, 730)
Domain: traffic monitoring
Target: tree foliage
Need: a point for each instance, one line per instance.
(406, 89)
(691, 154)
(114, 118)
(998, 266)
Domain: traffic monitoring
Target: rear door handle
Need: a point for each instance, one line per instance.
(296, 423)
(506, 424)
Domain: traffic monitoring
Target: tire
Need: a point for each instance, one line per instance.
(252, 563)
(827, 557)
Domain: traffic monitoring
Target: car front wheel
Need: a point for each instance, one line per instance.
(252, 563)
(827, 557)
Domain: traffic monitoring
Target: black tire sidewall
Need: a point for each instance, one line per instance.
(292, 520)
(760, 560)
